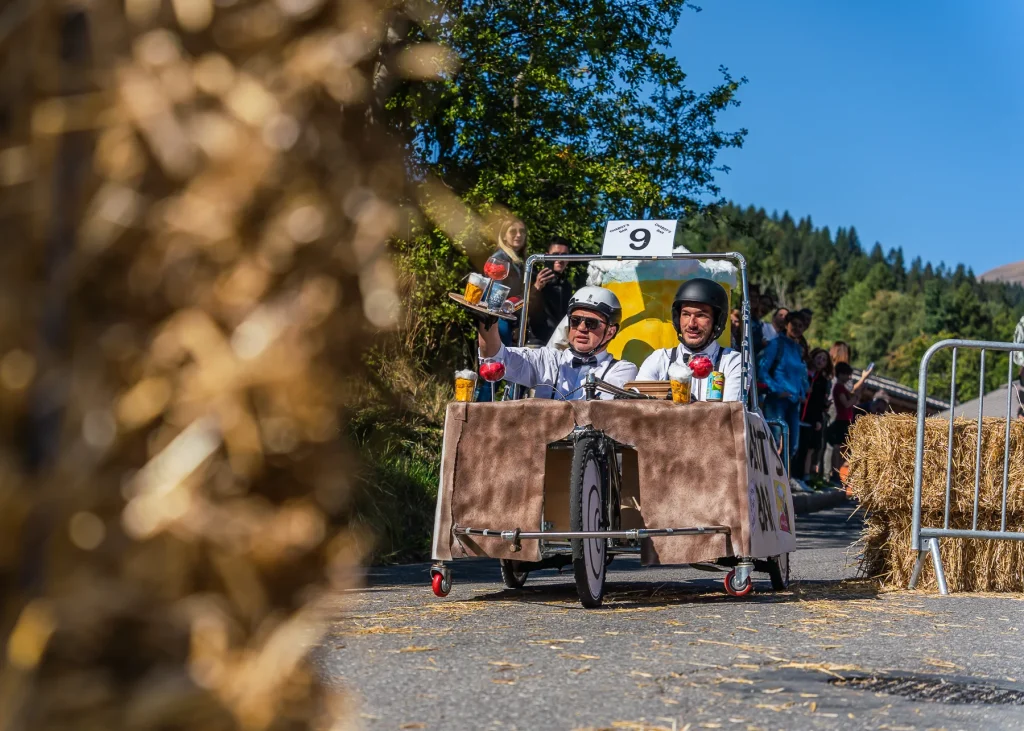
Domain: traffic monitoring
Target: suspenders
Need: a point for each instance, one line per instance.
(675, 351)
(613, 361)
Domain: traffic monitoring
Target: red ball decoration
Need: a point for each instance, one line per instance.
(492, 372)
(701, 366)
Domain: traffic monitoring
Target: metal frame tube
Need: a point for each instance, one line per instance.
(949, 446)
(977, 459)
(1006, 441)
(633, 534)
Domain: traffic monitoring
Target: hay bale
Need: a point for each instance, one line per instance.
(881, 453)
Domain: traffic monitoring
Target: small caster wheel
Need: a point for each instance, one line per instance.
(440, 584)
(512, 575)
(734, 588)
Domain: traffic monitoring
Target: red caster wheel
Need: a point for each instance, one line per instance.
(734, 588)
(440, 584)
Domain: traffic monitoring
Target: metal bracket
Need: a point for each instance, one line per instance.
(930, 546)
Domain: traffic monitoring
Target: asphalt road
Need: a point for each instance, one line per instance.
(669, 650)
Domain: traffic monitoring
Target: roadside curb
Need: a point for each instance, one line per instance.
(812, 502)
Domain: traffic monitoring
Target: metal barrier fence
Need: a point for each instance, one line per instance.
(925, 539)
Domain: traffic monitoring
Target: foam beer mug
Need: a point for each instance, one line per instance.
(680, 378)
(465, 385)
(475, 288)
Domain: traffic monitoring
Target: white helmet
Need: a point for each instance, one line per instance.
(599, 300)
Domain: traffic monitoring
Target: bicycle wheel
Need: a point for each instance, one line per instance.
(588, 490)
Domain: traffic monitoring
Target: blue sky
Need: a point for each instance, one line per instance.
(904, 118)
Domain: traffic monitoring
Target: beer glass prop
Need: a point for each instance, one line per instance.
(496, 296)
(476, 285)
(680, 378)
(465, 385)
(492, 371)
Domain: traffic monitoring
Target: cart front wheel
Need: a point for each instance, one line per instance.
(440, 585)
(588, 489)
(734, 588)
(513, 576)
(778, 571)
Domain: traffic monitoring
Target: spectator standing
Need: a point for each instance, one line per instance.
(768, 331)
(839, 353)
(845, 399)
(779, 320)
(814, 413)
(735, 328)
(512, 236)
(552, 289)
(782, 369)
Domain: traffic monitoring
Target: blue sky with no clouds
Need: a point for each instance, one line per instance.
(904, 118)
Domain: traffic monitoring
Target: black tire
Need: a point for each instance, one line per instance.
(778, 571)
(588, 491)
(512, 574)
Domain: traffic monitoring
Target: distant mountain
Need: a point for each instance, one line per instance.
(1013, 273)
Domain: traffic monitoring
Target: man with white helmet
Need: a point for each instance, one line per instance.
(699, 313)
(594, 317)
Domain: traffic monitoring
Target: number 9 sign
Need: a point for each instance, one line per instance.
(639, 238)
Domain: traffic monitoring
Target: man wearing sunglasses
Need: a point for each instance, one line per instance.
(594, 317)
(699, 314)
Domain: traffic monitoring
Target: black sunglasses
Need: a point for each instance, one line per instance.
(592, 323)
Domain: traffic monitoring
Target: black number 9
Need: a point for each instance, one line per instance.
(640, 237)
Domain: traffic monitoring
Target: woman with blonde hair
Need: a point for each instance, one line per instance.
(512, 236)
(839, 353)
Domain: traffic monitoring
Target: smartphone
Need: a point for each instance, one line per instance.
(871, 365)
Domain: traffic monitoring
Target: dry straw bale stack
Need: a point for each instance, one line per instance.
(196, 200)
(881, 453)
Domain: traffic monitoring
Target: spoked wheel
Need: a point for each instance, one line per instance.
(587, 490)
(511, 573)
(778, 571)
(733, 587)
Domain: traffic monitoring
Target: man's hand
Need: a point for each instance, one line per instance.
(544, 278)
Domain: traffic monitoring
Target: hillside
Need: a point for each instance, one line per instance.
(1013, 273)
(889, 310)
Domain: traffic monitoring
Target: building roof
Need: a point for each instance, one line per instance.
(994, 404)
(904, 395)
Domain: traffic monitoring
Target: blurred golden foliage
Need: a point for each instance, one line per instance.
(196, 198)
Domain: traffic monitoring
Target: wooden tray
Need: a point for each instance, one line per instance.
(657, 389)
(481, 309)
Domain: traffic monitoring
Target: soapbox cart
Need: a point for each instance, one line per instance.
(544, 483)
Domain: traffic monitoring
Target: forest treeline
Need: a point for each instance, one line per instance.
(889, 310)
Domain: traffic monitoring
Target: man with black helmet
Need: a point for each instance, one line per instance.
(594, 317)
(699, 314)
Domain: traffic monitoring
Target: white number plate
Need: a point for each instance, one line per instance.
(639, 238)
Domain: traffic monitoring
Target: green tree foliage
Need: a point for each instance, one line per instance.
(888, 313)
(566, 115)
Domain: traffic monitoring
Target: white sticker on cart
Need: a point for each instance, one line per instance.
(639, 238)
(772, 531)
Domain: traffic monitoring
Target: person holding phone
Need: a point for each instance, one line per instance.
(552, 291)
(845, 399)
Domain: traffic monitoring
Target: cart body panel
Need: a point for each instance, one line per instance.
(701, 464)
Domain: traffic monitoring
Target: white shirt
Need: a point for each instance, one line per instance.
(655, 368)
(547, 368)
(768, 331)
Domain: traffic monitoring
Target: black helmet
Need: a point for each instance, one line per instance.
(704, 292)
